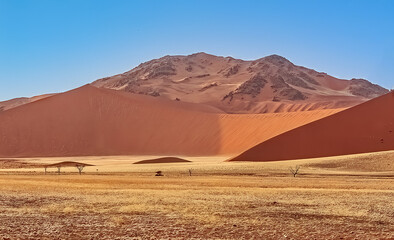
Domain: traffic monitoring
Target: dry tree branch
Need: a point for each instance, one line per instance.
(294, 171)
(80, 168)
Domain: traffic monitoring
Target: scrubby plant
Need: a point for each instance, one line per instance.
(80, 168)
(295, 170)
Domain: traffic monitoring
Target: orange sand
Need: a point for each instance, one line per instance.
(368, 127)
(89, 121)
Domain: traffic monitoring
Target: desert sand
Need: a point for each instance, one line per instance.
(365, 128)
(16, 102)
(89, 121)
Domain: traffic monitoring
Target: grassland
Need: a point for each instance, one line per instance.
(348, 197)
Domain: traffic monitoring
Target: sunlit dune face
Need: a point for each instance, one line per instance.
(89, 121)
(368, 127)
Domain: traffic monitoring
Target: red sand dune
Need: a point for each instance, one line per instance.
(368, 127)
(163, 160)
(16, 102)
(89, 121)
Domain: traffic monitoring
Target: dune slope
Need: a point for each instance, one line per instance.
(16, 102)
(90, 121)
(368, 127)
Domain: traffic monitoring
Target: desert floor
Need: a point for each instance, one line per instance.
(347, 197)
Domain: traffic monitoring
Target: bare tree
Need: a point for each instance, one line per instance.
(294, 171)
(58, 169)
(190, 172)
(45, 170)
(80, 168)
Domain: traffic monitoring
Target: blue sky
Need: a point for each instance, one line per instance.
(52, 46)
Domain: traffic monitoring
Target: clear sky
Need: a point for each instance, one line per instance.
(51, 46)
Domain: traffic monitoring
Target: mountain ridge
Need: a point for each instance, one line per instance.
(268, 84)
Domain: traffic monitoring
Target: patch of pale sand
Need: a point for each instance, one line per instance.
(369, 162)
(123, 163)
(218, 165)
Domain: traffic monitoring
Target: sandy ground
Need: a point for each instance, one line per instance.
(347, 197)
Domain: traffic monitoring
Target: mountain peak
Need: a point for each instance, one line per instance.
(269, 84)
(275, 59)
(200, 54)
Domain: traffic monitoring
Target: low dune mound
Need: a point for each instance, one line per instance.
(368, 127)
(163, 160)
(68, 164)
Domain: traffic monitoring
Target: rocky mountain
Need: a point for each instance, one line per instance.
(269, 84)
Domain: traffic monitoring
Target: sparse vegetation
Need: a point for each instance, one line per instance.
(59, 165)
(80, 168)
(295, 170)
(204, 207)
(224, 201)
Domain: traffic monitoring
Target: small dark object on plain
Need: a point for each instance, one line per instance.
(159, 174)
(80, 168)
(294, 171)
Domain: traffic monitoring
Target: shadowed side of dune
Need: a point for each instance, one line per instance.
(368, 127)
(163, 160)
(89, 121)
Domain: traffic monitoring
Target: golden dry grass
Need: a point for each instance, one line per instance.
(219, 201)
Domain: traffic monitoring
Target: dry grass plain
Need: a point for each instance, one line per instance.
(347, 197)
